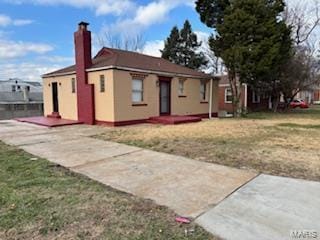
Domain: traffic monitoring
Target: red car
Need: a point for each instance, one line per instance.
(299, 103)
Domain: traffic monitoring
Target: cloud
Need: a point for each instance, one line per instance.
(101, 7)
(145, 16)
(7, 21)
(153, 48)
(12, 49)
(26, 70)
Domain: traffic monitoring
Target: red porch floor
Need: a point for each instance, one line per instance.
(174, 119)
(48, 122)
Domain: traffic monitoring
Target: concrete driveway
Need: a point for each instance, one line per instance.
(187, 186)
(230, 203)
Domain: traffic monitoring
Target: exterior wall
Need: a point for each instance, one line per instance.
(227, 107)
(103, 101)
(115, 104)
(316, 96)
(124, 109)
(191, 103)
(67, 100)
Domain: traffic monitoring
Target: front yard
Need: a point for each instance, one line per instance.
(279, 144)
(39, 200)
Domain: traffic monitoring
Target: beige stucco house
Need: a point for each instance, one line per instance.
(119, 87)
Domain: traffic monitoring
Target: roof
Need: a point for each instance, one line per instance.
(18, 97)
(121, 59)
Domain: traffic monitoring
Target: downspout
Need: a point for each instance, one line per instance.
(210, 99)
(245, 97)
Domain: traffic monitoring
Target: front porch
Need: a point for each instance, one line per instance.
(48, 121)
(174, 119)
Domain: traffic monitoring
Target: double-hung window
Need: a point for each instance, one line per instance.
(181, 87)
(73, 85)
(255, 97)
(203, 90)
(228, 95)
(137, 90)
(102, 84)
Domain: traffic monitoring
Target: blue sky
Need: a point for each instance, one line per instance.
(36, 36)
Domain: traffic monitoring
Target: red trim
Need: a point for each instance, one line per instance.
(182, 96)
(139, 104)
(54, 115)
(121, 123)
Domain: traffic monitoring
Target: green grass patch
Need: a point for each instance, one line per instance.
(294, 125)
(40, 200)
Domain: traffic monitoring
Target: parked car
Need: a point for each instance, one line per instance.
(299, 103)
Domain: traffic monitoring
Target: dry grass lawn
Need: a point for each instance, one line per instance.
(286, 144)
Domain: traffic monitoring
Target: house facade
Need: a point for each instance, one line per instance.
(250, 100)
(119, 87)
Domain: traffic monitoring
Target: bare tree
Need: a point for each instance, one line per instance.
(304, 18)
(134, 43)
(301, 73)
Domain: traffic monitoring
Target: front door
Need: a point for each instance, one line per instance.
(55, 99)
(165, 99)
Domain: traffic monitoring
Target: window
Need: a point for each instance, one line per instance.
(27, 88)
(18, 87)
(102, 83)
(255, 97)
(137, 90)
(228, 95)
(203, 91)
(13, 87)
(181, 87)
(73, 85)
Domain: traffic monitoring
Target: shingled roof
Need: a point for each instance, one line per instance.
(126, 60)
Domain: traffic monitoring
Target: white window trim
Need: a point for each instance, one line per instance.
(142, 91)
(255, 95)
(225, 95)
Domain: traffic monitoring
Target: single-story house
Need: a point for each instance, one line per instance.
(119, 87)
(249, 98)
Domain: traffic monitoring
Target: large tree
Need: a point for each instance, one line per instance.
(182, 47)
(251, 39)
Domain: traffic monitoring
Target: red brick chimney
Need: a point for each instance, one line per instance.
(85, 91)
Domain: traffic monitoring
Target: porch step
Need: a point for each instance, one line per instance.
(54, 115)
(174, 119)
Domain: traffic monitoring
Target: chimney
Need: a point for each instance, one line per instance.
(83, 46)
(85, 91)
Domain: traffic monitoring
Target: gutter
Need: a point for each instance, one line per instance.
(129, 69)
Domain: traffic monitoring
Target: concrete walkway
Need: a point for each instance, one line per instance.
(230, 203)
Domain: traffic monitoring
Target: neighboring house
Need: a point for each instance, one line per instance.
(119, 87)
(250, 99)
(311, 96)
(20, 99)
(316, 96)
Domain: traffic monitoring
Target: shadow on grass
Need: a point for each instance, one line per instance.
(294, 125)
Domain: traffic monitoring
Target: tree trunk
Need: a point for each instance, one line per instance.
(236, 95)
(275, 103)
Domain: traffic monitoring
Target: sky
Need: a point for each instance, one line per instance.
(36, 36)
